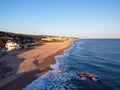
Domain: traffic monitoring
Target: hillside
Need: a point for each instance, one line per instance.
(24, 39)
(19, 38)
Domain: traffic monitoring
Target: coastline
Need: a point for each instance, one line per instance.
(43, 67)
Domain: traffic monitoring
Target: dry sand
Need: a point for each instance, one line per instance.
(30, 64)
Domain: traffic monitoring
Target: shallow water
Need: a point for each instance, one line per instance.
(100, 57)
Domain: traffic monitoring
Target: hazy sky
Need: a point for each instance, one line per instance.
(81, 18)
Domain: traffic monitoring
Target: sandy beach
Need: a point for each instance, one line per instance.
(30, 64)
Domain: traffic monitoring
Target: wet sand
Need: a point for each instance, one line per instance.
(44, 58)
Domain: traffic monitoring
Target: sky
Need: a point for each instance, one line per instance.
(75, 18)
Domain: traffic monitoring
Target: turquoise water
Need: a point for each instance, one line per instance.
(100, 57)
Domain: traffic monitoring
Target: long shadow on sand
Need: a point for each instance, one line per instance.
(23, 79)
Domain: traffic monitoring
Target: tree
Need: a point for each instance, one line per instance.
(1, 42)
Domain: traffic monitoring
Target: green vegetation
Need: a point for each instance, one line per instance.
(1, 42)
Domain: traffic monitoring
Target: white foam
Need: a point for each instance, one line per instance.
(83, 78)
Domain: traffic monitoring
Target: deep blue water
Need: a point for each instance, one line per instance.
(100, 57)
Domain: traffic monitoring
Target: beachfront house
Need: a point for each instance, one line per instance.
(11, 45)
(47, 39)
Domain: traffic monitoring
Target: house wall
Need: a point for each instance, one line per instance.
(11, 46)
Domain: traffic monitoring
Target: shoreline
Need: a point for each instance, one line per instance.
(43, 67)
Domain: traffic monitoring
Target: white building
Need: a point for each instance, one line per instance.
(47, 39)
(10, 45)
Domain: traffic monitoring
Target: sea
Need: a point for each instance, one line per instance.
(101, 57)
